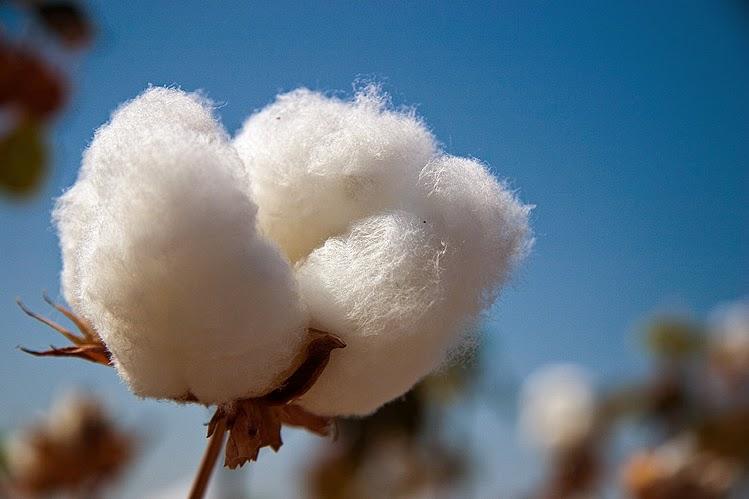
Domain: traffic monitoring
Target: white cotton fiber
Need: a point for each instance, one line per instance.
(398, 246)
(557, 407)
(75, 211)
(483, 225)
(318, 163)
(162, 255)
(378, 288)
(401, 288)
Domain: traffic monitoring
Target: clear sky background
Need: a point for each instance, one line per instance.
(626, 123)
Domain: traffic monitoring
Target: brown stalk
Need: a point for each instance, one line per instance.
(208, 463)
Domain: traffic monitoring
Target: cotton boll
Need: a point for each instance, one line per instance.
(22, 457)
(73, 446)
(378, 288)
(729, 339)
(557, 407)
(72, 416)
(319, 163)
(680, 465)
(168, 265)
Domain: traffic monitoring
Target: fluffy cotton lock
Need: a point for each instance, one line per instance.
(402, 289)
(379, 288)
(398, 246)
(162, 256)
(557, 407)
(318, 163)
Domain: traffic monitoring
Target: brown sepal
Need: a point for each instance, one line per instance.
(295, 415)
(253, 424)
(88, 345)
(93, 353)
(256, 422)
(313, 362)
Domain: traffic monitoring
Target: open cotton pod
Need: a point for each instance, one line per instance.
(225, 272)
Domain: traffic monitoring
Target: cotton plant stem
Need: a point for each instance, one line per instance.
(208, 463)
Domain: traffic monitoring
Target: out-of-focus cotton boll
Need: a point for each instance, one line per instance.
(379, 288)
(75, 445)
(729, 326)
(163, 258)
(557, 407)
(679, 465)
(72, 415)
(319, 163)
(22, 457)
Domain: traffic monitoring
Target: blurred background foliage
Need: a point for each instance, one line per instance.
(77, 449)
(692, 411)
(33, 85)
(406, 449)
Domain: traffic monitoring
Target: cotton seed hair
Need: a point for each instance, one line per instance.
(342, 215)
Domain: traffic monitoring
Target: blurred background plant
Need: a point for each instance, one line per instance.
(77, 448)
(691, 415)
(693, 411)
(406, 449)
(37, 39)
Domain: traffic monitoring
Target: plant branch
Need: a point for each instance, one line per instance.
(208, 464)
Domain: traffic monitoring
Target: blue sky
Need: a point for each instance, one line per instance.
(626, 124)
